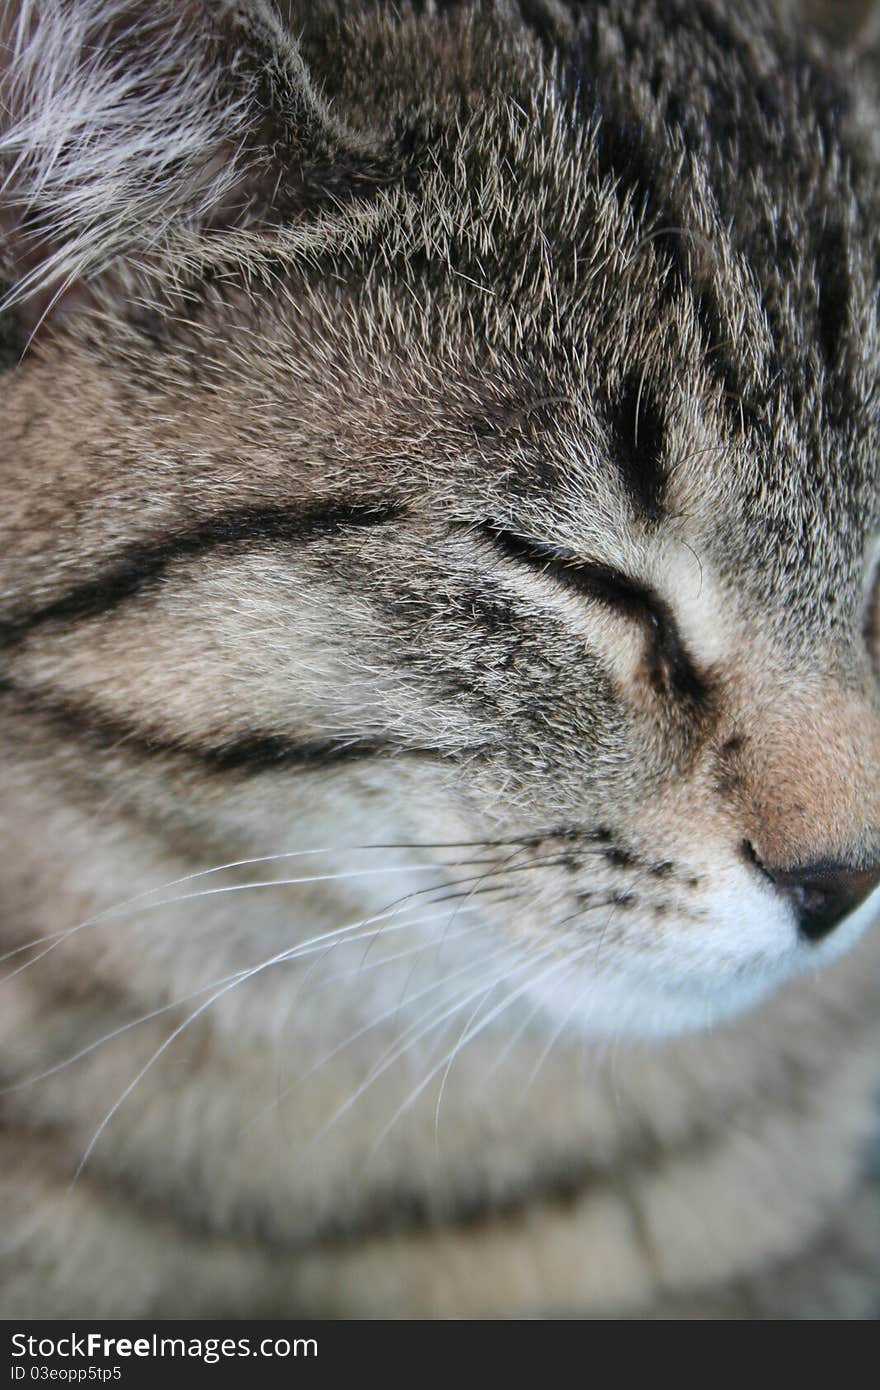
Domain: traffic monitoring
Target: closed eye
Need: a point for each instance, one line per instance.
(670, 667)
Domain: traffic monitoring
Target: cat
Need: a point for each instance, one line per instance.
(440, 704)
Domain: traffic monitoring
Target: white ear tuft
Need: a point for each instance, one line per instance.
(124, 120)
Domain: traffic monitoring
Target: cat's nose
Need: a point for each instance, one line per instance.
(823, 893)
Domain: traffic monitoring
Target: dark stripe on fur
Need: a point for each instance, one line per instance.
(634, 160)
(832, 279)
(405, 1210)
(638, 431)
(248, 754)
(11, 336)
(273, 752)
(142, 567)
(741, 412)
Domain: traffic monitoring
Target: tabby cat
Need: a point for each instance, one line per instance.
(440, 696)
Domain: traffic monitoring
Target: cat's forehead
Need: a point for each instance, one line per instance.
(701, 265)
(618, 298)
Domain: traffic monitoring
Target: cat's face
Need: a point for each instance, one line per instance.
(533, 504)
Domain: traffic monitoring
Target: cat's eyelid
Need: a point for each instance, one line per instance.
(500, 533)
(594, 578)
(671, 668)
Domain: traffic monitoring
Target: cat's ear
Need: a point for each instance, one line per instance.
(128, 127)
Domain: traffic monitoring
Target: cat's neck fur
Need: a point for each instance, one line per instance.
(333, 1177)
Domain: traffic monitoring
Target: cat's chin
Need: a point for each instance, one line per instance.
(620, 1007)
(663, 999)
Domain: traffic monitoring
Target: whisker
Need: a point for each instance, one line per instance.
(557, 1032)
(479, 886)
(392, 1012)
(246, 863)
(400, 1050)
(238, 979)
(356, 971)
(511, 1042)
(601, 942)
(449, 897)
(484, 1023)
(57, 938)
(293, 953)
(376, 1022)
(479, 889)
(453, 889)
(372, 937)
(569, 964)
(452, 1056)
(148, 892)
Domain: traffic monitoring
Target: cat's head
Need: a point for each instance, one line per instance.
(475, 415)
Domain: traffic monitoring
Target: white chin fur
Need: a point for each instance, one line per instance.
(703, 973)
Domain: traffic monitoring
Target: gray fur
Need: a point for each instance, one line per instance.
(352, 366)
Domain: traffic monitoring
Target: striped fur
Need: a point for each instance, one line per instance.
(439, 523)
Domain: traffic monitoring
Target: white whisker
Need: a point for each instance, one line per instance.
(408, 1042)
(443, 983)
(58, 938)
(484, 1023)
(292, 954)
(114, 909)
(568, 964)
(238, 979)
(558, 1030)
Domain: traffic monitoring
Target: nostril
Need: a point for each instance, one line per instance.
(823, 893)
(820, 900)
